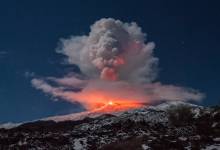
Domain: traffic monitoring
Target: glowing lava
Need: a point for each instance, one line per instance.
(117, 106)
(110, 103)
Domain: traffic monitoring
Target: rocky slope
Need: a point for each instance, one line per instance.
(173, 125)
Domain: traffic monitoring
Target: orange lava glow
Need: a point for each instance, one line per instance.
(117, 106)
(110, 103)
(114, 105)
(107, 101)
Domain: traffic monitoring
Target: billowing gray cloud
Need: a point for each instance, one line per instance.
(118, 64)
(113, 50)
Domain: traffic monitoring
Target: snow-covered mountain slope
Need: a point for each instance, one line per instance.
(9, 125)
(148, 112)
(111, 110)
(114, 109)
(171, 125)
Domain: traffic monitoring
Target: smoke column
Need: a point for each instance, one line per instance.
(116, 63)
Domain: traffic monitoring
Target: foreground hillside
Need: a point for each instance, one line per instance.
(166, 126)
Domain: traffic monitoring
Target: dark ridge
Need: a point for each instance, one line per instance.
(182, 130)
(48, 125)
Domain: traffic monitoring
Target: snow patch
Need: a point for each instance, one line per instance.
(80, 144)
(214, 124)
(182, 138)
(216, 139)
(9, 125)
(145, 147)
(212, 147)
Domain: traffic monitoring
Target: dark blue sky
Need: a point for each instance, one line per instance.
(186, 33)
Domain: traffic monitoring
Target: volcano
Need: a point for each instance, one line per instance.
(111, 107)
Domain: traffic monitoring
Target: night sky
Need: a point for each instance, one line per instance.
(186, 33)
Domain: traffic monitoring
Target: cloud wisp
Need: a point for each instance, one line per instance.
(3, 53)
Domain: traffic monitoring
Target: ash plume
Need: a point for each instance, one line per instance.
(117, 62)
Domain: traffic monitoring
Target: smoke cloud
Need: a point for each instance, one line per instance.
(118, 64)
(113, 50)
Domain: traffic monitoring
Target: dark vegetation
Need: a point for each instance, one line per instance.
(180, 115)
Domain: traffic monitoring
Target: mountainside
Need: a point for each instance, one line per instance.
(171, 125)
